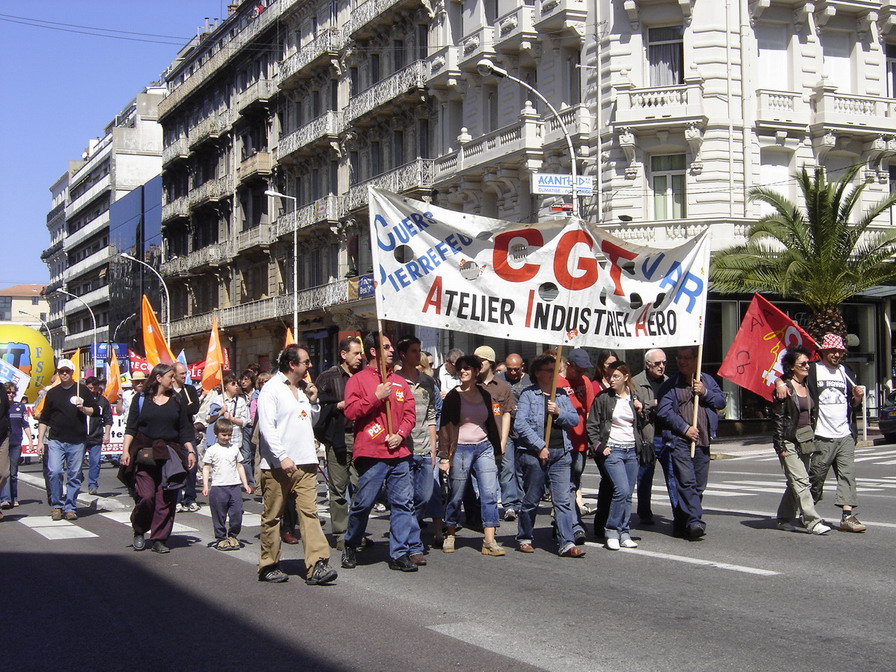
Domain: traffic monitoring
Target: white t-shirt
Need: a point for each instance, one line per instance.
(833, 406)
(223, 460)
(622, 427)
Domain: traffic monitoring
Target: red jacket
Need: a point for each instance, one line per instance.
(369, 413)
(582, 404)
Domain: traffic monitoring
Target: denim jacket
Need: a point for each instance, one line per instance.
(529, 422)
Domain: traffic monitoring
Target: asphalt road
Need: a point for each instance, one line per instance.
(747, 597)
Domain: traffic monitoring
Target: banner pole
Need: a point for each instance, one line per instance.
(696, 397)
(384, 377)
(550, 422)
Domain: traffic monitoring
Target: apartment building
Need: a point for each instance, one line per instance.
(127, 155)
(25, 305)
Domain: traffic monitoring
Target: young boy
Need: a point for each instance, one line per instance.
(221, 468)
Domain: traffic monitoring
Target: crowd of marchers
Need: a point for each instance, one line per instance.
(478, 442)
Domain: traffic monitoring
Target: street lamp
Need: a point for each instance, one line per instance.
(295, 259)
(164, 288)
(44, 324)
(93, 319)
(119, 325)
(486, 68)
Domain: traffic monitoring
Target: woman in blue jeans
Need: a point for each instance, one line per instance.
(18, 429)
(467, 438)
(538, 460)
(614, 433)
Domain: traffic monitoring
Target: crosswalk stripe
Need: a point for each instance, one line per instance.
(56, 529)
(124, 517)
(694, 561)
(249, 519)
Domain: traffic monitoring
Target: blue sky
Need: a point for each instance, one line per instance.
(60, 89)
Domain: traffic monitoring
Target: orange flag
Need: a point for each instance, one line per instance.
(213, 373)
(289, 338)
(154, 342)
(113, 385)
(76, 360)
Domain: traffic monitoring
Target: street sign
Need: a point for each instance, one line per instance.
(561, 185)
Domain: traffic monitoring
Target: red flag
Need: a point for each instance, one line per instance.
(754, 359)
(138, 363)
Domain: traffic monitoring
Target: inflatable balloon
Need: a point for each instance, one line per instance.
(29, 351)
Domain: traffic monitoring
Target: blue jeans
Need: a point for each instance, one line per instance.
(478, 458)
(691, 475)
(65, 457)
(427, 497)
(622, 466)
(576, 469)
(10, 492)
(404, 531)
(645, 480)
(511, 485)
(534, 475)
(94, 455)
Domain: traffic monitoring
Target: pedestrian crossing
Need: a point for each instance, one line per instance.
(55, 529)
(873, 454)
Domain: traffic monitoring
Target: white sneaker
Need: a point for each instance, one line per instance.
(613, 544)
(820, 528)
(628, 543)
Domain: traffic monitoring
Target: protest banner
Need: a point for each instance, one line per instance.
(11, 374)
(754, 358)
(552, 282)
(114, 447)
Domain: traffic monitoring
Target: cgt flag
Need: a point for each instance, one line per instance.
(754, 359)
(154, 343)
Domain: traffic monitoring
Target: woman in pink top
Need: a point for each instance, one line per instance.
(467, 441)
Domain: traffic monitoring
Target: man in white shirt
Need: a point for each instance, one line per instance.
(287, 411)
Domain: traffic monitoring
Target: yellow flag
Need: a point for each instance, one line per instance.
(113, 385)
(154, 342)
(76, 360)
(213, 373)
(290, 340)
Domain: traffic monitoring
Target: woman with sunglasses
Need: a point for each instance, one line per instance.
(18, 429)
(793, 441)
(467, 441)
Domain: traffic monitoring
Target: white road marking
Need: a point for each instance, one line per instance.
(124, 517)
(56, 529)
(695, 561)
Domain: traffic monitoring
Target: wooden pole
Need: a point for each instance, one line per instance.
(550, 422)
(384, 377)
(696, 398)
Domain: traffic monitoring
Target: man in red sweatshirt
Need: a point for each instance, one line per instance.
(381, 455)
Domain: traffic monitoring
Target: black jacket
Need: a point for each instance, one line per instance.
(451, 423)
(786, 413)
(600, 420)
(4, 417)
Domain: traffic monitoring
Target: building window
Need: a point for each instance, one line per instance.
(398, 54)
(837, 49)
(490, 113)
(353, 80)
(374, 68)
(422, 41)
(376, 159)
(773, 67)
(35, 300)
(423, 149)
(665, 56)
(397, 148)
(891, 70)
(774, 173)
(573, 77)
(6, 308)
(667, 179)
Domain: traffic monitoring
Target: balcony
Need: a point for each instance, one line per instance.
(782, 109)
(560, 16)
(179, 149)
(444, 71)
(576, 119)
(725, 231)
(416, 176)
(325, 209)
(229, 50)
(851, 112)
(319, 298)
(406, 81)
(368, 15)
(258, 93)
(252, 312)
(260, 163)
(195, 324)
(209, 128)
(85, 232)
(660, 107)
(94, 260)
(178, 208)
(327, 43)
(209, 191)
(192, 263)
(88, 196)
(304, 137)
(257, 236)
(477, 46)
(90, 298)
(515, 31)
(516, 143)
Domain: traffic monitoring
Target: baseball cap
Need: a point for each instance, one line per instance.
(65, 364)
(485, 352)
(580, 358)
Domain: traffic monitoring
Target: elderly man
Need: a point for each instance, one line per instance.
(675, 409)
(832, 387)
(63, 414)
(648, 384)
(287, 411)
(509, 479)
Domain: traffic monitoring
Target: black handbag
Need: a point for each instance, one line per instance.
(646, 453)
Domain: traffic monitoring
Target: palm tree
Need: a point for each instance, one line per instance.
(815, 255)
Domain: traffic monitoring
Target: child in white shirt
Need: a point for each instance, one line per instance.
(222, 470)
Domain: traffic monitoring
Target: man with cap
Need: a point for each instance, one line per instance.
(833, 390)
(581, 393)
(66, 409)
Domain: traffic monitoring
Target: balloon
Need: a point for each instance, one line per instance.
(29, 351)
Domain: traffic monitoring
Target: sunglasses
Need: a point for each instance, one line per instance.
(802, 365)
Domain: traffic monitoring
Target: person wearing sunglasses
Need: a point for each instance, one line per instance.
(6, 451)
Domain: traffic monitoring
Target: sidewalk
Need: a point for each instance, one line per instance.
(761, 444)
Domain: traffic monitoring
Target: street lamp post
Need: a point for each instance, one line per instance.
(92, 318)
(44, 324)
(164, 288)
(487, 68)
(295, 259)
(119, 325)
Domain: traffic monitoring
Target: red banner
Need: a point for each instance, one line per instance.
(138, 363)
(754, 359)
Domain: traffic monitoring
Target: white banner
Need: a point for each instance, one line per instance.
(541, 283)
